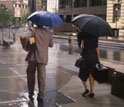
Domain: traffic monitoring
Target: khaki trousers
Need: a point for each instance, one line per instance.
(41, 75)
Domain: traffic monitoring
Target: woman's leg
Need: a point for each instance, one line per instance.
(91, 80)
(86, 89)
(85, 85)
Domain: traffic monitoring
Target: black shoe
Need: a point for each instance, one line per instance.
(85, 93)
(39, 100)
(91, 95)
(40, 104)
(31, 98)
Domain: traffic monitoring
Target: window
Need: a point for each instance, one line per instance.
(68, 19)
(116, 12)
(98, 2)
(26, 6)
(19, 5)
(15, 5)
(80, 3)
(68, 3)
(23, 6)
(65, 4)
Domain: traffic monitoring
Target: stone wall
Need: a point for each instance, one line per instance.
(119, 24)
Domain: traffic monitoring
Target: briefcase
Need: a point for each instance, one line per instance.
(117, 87)
(101, 74)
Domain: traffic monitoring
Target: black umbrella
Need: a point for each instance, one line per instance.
(92, 24)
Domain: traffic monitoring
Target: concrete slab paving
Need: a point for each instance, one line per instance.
(61, 81)
(13, 84)
(5, 72)
(103, 97)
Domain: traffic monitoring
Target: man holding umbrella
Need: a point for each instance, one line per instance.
(38, 40)
(38, 58)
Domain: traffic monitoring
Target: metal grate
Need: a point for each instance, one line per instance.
(55, 98)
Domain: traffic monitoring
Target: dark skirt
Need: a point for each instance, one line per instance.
(91, 59)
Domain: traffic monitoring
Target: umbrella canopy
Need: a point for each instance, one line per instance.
(92, 24)
(44, 18)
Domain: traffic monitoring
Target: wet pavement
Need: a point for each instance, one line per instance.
(63, 87)
(13, 82)
(108, 53)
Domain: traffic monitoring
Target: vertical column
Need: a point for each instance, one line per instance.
(33, 6)
(88, 5)
(73, 8)
(122, 57)
(70, 40)
(110, 12)
(110, 55)
(122, 20)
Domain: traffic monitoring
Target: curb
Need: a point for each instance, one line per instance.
(114, 44)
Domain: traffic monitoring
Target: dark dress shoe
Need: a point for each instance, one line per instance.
(40, 104)
(39, 99)
(31, 98)
(85, 93)
(90, 95)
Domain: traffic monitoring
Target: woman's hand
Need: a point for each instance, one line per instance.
(82, 45)
(97, 50)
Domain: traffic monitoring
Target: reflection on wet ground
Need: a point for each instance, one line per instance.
(13, 86)
(13, 82)
(52, 98)
(105, 53)
(114, 55)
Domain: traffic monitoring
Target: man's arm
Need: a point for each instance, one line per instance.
(26, 40)
(51, 42)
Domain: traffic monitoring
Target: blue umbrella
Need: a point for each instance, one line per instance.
(44, 18)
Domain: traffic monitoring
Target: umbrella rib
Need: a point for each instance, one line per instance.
(85, 23)
(107, 26)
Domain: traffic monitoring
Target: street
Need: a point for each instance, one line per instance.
(63, 87)
(13, 76)
(110, 53)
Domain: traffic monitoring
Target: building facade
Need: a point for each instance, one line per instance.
(115, 16)
(44, 4)
(52, 6)
(18, 7)
(8, 4)
(37, 5)
(70, 8)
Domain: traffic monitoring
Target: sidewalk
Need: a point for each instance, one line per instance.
(63, 87)
(103, 97)
(74, 88)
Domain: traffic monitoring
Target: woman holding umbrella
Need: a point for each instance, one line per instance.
(91, 27)
(89, 51)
